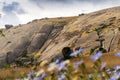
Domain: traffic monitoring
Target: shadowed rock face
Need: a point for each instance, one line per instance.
(29, 37)
(50, 36)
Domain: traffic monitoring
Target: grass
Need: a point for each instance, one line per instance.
(12, 73)
(109, 58)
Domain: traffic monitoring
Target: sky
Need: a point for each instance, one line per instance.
(17, 12)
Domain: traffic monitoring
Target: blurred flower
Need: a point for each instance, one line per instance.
(116, 68)
(40, 75)
(61, 77)
(37, 78)
(108, 71)
(40, 72)
(60, 66)
(76, 52)
(52, 66)
(116, 76)
(57, 61)
(103, 65)
(43, 75)
(90, 76)
(118, 54)
(96, 56)
(30, 74)
(78, 63)
(24, 79)
(43, 63)
(99, 76)
(66, 62)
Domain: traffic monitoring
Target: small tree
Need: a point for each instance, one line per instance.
(66, 51)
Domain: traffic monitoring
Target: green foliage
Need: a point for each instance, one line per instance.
(119, 28)
(66, 51)
(32, 59)
(24, 54)
(1, 33)
(92, 50)
(6, 66)
(102, 50)
(81, 14)
(18, 63)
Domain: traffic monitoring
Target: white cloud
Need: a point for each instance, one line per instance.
(36, 9)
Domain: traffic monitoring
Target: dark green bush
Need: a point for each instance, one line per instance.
(92, 50)
(66, 51)
(102, 50)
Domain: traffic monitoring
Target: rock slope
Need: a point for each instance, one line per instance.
(27, 38)
(49, 36)
(17, 40)
(81, 33)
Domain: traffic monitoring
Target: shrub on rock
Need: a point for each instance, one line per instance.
(66, 51)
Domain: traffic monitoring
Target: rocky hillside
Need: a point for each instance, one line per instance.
(28, 38)
(91, 32)
(83, 32)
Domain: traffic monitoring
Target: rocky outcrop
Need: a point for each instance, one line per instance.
(50, 36)
(27, 38)
(81, 33)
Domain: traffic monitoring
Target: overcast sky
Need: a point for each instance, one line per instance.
(22, 11)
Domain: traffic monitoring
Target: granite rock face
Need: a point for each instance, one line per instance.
(81, 33)
(29, 38)
(50, 36)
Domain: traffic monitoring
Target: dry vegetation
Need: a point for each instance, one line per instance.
(12, 73)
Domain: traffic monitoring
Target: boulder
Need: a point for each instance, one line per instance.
(18, 39)
(7, 26)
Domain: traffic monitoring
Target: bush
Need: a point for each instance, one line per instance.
(6, 66)
(92, 50)
(81, 14)
(66, 51)
(102, 50)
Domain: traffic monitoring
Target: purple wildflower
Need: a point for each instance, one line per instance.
(118, 54)
(116, 76)
(108, 71)
(116, 68)
(78, 63)
(100, 76)
(57, 61)
(30, 74)
(76, 52)
(37, 78)
(79, 51)
(72, 54)
(43, 75)
(61, 77)
(90, 76)
(96, 56)
(60, 66)
(103, 65)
